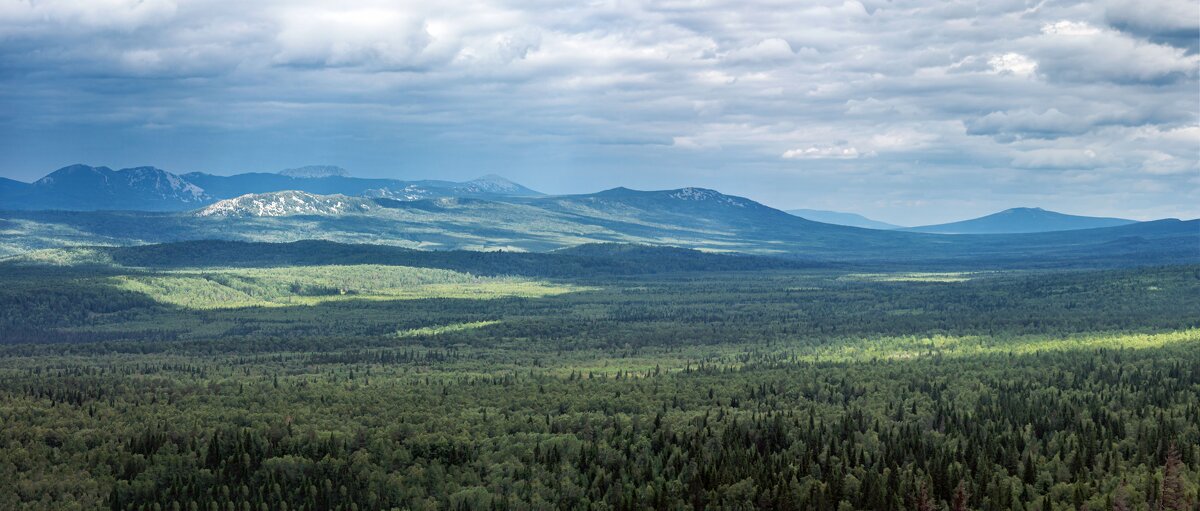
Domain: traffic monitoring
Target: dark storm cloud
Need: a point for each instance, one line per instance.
(909, 110)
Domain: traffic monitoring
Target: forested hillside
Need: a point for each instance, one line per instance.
(159, 378)
(549, 224)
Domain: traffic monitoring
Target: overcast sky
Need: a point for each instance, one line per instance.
(906, 111)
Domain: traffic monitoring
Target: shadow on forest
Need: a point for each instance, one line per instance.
(809, 314)
(578, 262)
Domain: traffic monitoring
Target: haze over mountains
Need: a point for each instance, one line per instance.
(315, 171)
(842, 218)
(491, 213)
(1023, 220)
(86, 188)
(83, 187)
(1009, 221)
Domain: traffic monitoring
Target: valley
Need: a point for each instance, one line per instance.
(324, 376)
(483, 346)
(831, 255)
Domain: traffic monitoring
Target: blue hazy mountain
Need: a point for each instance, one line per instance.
(12, 186)
(83, 187)
(493, 213)
(841, 218)
(86, 188)
(692, 208)
(327, 180)
(1022, 220)
(315, 171)
(694, 218)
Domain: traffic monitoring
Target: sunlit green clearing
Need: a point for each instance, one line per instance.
(911, 277)
(915, 347)
(309, 285)
(73, 256)
(438, 330)
(859, 350)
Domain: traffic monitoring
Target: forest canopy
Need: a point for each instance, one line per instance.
(273, 382)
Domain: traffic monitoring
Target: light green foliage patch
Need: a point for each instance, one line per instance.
(77, 256)
(310, 285)
(704, 390)
(909, 347)
(19, 237)
(949, 277)
(438, 330)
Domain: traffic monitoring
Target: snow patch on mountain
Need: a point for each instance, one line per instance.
(705, 194)
(138, 183)
(409, 192)
(165, 184)
(286, 203)
(492, 183)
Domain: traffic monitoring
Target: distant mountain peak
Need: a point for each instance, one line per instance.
(286, 203)
(490, 185)
(704, 194)
(708, 195)
(408, 192)
(71, 172)
(315, 171)
(841, 218)
(493, 178)
(688, 194)
(81, 182)
(165, 182)
(1023, 220)
(493, 183)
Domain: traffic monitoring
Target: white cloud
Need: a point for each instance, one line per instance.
(1027, 123)
(1077, 51)
(1160, 163)
(765, 51)
(1069, 28)
(363, 37)
(87, 15)
(821, 153)
(1012, 64)
(1060, 159)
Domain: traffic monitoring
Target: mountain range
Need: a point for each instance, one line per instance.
(315, 171)
(492, 213)
(86, 188)
(1022, 220)
(1009, 221)
(842, 218)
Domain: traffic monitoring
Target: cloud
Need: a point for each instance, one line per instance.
(1059, 159)
(903, 101)
(1070, 28)
(19, 17)
(1026, 123)
(1013, 64)
(1078, 51)
(821, 153)
(377, 38)
(1172, 21)
(1013, 125)
(765, 51)
(1163, 164)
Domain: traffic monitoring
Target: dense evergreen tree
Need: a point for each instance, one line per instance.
(763, 390)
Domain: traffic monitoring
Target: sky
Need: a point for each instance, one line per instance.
(910, 112)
